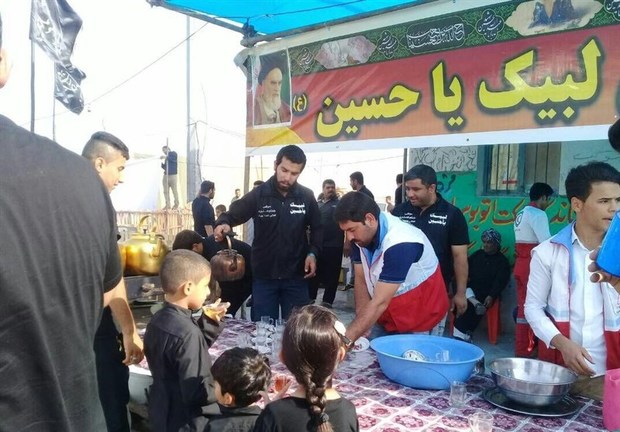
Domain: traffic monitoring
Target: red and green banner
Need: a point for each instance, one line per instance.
(522, 65)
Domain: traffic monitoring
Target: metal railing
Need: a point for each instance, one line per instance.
(166, 222)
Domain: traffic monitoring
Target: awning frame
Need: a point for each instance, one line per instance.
(251, 37)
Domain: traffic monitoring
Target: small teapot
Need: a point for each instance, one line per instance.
(144, 252)
(227, 264)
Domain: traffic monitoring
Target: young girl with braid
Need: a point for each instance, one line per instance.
(313, 345)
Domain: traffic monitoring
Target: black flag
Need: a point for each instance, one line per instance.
(54, 26)
(67, 87)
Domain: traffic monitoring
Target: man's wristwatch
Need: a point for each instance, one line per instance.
(348, 343)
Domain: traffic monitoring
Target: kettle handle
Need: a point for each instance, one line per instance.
(229, 241)
(141, 222)
(233, 264)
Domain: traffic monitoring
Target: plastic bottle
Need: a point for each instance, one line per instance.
(609, 256)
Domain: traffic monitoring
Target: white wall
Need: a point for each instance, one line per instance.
(580, 152)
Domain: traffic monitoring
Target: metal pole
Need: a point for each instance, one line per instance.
(31, 86)
(54, 117)
(405, 169)
(191, 152)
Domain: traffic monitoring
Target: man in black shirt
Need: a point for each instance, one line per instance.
(329, 263)
(108, 155)
(443, 224)
(59, 266)
(489, 273)
(398, 193)
(288, 236)
(357, 184)
(202, 210)
(356, 180)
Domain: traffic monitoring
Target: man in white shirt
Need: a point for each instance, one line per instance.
(531, 228)
(578, 320)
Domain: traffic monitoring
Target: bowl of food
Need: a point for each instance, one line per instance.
(531, 382)
(425, 362)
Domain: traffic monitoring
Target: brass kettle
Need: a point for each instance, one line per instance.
(144, 252)
(227, 264)
(123, 253)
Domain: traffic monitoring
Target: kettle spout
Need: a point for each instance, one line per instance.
(160, 247)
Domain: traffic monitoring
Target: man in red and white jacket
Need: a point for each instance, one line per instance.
(578, 320)
(398, 282)
(531, 228)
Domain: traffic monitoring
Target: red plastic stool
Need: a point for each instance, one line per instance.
(493, 322)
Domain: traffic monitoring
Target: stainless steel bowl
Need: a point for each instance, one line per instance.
(531, 382)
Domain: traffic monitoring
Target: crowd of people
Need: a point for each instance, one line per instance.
(63, 365)
(412, 273)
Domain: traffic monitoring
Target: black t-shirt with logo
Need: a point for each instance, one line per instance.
(286, 228)
(59, 255)
(443, 224)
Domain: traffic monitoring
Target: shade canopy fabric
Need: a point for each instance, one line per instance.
(261, 20)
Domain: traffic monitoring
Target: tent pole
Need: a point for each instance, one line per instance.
(190, 168)
(53, 118)
(32, 110)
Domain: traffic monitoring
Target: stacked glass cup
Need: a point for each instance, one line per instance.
(262, 341)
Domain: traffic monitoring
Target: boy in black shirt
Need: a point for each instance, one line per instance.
(241, 375)
(176, 346)
(235, 292)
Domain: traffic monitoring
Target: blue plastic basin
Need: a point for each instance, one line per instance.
(431, 374)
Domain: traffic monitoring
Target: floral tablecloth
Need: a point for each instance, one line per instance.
(385, 406)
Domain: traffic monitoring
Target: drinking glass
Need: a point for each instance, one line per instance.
(261, 344)
(443, 356)
(261, 330)
(266, 320)
(481, 422)
(458, 393)
(279, 382)
(280, 323)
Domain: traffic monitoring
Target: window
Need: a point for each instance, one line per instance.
(511, 169)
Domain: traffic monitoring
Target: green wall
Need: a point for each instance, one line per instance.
(483, 212)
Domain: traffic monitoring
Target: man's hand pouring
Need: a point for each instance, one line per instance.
(220, 231)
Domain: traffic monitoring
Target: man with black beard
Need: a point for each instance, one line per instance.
(288, 236)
